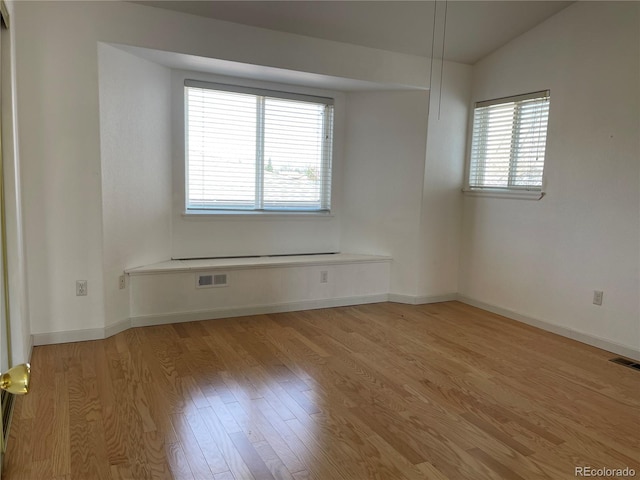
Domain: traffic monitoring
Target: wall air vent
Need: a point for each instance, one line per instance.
(208, 280)
(220, 280)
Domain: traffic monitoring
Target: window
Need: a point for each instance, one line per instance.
(508, 144)
(257, 150)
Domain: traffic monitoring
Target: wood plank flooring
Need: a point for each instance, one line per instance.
(384, 391)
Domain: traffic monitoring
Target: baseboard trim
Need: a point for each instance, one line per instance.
(421, 299)
(583, 337)
(121, 326)
(148, 320)
(180, 317)
(68, 336)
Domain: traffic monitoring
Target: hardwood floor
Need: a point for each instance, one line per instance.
(388, 391)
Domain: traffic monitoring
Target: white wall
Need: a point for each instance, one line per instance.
(57, 76)
(135, 141)
(402, 179)
(385, 144)
(441, 213)
(543, 259)
(59, 120)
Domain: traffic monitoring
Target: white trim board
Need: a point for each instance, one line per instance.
(421, 299)
(121, 326)
(51, 338)
(180, 317)
(251, 263)
(148, 320)
(582, 337)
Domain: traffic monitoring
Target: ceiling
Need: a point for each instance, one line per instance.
(473, 28)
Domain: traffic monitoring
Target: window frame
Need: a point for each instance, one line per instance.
(512, 190)
(326, 159)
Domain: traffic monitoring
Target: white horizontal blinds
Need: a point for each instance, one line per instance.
(221, 149)
(257, 151)
(508, 144)
(532, 120)
(294, 172)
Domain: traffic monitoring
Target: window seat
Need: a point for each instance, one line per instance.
(169, 292)
(244, 263)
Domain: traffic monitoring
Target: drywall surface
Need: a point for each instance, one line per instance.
(441, 214)
(385, 144)
(135, 141)
(58, 103)
(543, 259)
(56, 70)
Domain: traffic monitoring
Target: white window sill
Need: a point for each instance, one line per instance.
(498, 193)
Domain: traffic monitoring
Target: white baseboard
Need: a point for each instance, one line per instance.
(121, 326)
(149, 320)
(583, 337)
(421, 299)
(68, 336)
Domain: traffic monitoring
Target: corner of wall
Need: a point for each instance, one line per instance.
(135, 141)
(441, 209)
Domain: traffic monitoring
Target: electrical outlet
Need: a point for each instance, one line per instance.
(81, 288)
(597, 297)
(122, 282)
(324, 277)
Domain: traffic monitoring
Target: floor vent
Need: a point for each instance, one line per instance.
(626, 363)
